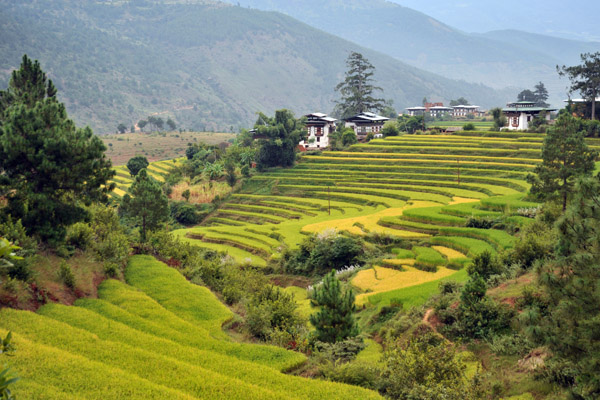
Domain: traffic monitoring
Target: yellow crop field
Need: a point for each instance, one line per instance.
(369, 222)
(380, 279)
(449, 253)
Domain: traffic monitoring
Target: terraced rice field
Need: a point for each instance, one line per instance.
(157, 169)
(417, 187)
(140, 341)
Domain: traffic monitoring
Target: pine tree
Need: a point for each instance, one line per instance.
(585, 78)
(146, 203)
(568, 321)
(48, 167)
(565, 157)
(334, 321)
(541, 95)
(136, 164)
(357, 88)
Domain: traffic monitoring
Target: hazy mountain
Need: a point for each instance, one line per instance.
(575, 19)
(209, 64)
(500, 59)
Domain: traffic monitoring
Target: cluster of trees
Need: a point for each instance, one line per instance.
(153, 123)
(538, 95)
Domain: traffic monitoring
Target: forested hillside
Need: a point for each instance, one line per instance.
(211, 65)
(498, 59)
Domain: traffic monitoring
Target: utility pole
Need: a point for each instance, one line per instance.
(458, 170)
(329, 199)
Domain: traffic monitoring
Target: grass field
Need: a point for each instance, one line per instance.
(141, 341)
(156, 146)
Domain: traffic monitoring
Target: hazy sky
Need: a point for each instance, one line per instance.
(572, 19)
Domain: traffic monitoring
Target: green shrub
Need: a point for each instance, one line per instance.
(342, 351)
(79, 235)
(485, 265)
(184, 213)
(469, 126)
(272, 309)
(353, 373)
(65, 274)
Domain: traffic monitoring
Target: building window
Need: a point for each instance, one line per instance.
(318, 138)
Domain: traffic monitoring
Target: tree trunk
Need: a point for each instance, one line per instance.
(564, 208)
(143, 228)
(594, 107)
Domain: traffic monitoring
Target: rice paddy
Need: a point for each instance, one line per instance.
(140, 340)
(419, 188)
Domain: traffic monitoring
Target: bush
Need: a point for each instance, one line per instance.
(485, 265)
(480, 222)
(354, 373)
(469, 126)
(184, 213)
(536, 242)
(79, 235)
(272, 309)
(343, 351)
(65, 274)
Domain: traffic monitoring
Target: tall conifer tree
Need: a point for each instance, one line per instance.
(357, 88)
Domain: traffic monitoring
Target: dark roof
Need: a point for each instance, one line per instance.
(367, 117)
(527, 109)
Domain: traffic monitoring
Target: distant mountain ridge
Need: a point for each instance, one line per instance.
(210, 65)
(499, 59)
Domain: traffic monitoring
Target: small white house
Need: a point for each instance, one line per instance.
(521, 113)
(318, 127)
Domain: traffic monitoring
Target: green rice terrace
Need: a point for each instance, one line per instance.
(423, 188)
(156, 169)
(136, 342)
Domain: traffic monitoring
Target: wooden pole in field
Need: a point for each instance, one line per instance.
(458, 171)
(329, 199)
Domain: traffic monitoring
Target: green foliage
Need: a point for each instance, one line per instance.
(136, 164)
(585, 78)
(184, 213)
(319, 254)
(565, 157)
(149, 207)
(424, 368)
(50, 168)
(390, 128)
(334, 320)
(341, 351)
(349, 137)
(79, 235)
(536, 242)
(5, 378)
(357, 88)
(271, 309)
(469, 127)
(484, 265)
(282, 135)
(566, 320)
(65, 274)
(478, 315)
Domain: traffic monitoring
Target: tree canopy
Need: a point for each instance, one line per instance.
(585, 78)
(334, 321)
(565, 156)
(279, 139)
(566, 318)
(136, 164)
(146, 203)
(357, 88)
(49, 168)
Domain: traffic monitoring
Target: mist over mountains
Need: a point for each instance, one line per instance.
(209, 65)
(500, 59)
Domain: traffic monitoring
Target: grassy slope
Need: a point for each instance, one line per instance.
(120, 339)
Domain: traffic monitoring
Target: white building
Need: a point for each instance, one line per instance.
(412, 111)
(438, 111)
(318, 127)
(521, 113)
(365, 123)
(463, 110)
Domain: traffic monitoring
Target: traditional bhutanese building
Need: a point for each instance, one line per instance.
(318, 128)
(365, 123)
(412, 111)
(463, 110)
(438, 111)
(521, 113)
